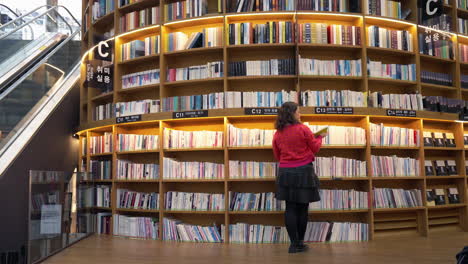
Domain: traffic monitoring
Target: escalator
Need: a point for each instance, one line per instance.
(39, 111)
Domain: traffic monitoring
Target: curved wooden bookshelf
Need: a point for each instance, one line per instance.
(219, 118)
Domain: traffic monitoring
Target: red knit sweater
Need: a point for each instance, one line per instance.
(295, 146)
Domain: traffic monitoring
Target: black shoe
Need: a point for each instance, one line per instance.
(293, 248)
(301, 247)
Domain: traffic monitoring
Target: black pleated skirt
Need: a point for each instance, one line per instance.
(299, 184)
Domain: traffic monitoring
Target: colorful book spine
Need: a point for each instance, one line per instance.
(208, 37)
(101, 169)
(396, 101)
(127, 199)
(403, 72)
(176, 230)
(252, 169)
(259, 99)
(382, 135)
(185, 9)
(140, 48)
(179, 139)
(128, 170)
(384, 8)
(137, 107)
(185, 201)
(261, 6)
(397, 198)
(341, 135)
(338, 167)
(324, 5)
(321, 33)
(139, 19)
(330, 67)
(393, 166)
(390, 39)
(133, 142)
(245, 137)
(334, 98)
(193, 170)
(255, 202)
(263, 67)
(140, 79)
(209, 70)
(101, 144)
(268, 33)
(135, 227)
(102, 112)
(340, 200)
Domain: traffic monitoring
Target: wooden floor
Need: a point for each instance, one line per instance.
(440, 248)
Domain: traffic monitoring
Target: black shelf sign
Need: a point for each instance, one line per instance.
(463, 116)
(128, 119)
(399, 112)
(334, 110)
(261, 111)
(190, 114)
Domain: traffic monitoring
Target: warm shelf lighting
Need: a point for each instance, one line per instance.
(191, 20)
(137, 30)
(329, 14)
(260, 14)
(391, 20)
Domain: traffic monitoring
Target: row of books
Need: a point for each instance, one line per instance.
(209, 70)
(394, 166)
(258, 99)
(393, 71)
(46, 176)
(462, 25)
(440, 168)
(138, 19)
(249, 137)
(464, 81)
(339, 167)
(463, 51)
(334, 98)
(135, 227)
(270, 32)
(127, 199)
(39, 199)
(329, 5)
(384, 8)
(436, 78)
(321, 33)
(175, 169)
(462, 4)
(185, 9)
(141, 107)
(140, 48)
(102, 224)
(439, 139)
(444, 104)
(330, 67)
(208, 37)
(94, 196)
(101, 169)
(397, 198)
(101, 144)
(255, 202)
(396, 101)
(140, 78)
(84, 146)
(176, 230)
(128, 170)
(389, 38)
(105, 111)
(252, 169)
(341, 135)
(382, 135)
(193, 102)
(194, 201)
(341, 200)
(262, 67)
(442, 196)
(135, 142)
(123, 3)
(258, 6)
(101, 8)
(179, 139)
(442, 48)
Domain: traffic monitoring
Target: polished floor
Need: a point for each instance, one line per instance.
(439, 248)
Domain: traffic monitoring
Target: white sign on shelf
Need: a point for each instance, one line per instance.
(51, 216)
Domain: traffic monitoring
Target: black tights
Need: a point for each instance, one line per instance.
(296, 220)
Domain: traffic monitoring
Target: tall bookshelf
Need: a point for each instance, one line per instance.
(422, 219)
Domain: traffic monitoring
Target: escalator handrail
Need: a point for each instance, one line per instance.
(51, 8)
(25, 75)
(17, 17)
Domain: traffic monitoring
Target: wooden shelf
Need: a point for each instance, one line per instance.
(392, 81)
(194, 82)
(104, 20)
(444, 177)
(136, 61)
(443, 148)
(390, 22)
(261, 78)
(255, 212)
(331, 78)
(447, 206)
(250, 148)
(389, 51)
(262, 45)
(96, 181)
(137, 181)
(136, 6)
(395, 178)
(193, 180)
(103, 97)
(96, 208)
(399, 209)
(137, 152)
(139, 89)
(339, 211)
(194, 212)
(193, 149)
(269, 179)
(331, 47)
(395, 147)
(137, 210)
(343, 147)
(193, 51)
(345, 179)
(435, 59)
(438, 87)
(212, 18)
(101, 154)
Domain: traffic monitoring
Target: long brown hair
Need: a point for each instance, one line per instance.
(286, 115)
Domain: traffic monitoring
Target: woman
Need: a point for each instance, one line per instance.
(295, 146)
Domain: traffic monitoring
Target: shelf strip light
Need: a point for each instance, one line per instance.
(137, 30)
(193, 19)
(329, 14)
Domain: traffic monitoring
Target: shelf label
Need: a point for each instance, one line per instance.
(334, 110)
(128, 119)
(190, 114)
(463, 116)
(399, 112)
(261, 111)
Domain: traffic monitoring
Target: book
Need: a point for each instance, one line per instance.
(453, 196)
(430, 197)
(451, 168)
(449, 140)
(465, 139)
(428, 168)
(428, 139)
(439, 140)
(439, 197)
(321, 131)
(440, 168)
